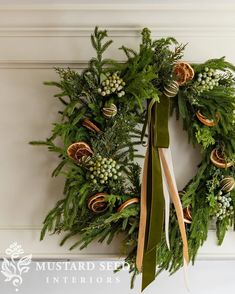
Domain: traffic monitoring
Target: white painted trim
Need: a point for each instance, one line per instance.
(71, 256)
(123, 6)
(209, 251)
(48, 64)
(53, 32)
(18, 20)
(42, 64)
(21, 228)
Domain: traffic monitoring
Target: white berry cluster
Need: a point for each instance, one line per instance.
(224, 203)
(103, 169)
(207, 79)
(113, 84)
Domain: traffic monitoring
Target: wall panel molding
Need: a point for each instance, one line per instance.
(78, 20)
(42, 64)
(35, 38)
(161, 31)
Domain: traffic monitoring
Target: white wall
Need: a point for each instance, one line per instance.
(34, 39)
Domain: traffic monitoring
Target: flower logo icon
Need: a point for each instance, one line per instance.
(14, 266)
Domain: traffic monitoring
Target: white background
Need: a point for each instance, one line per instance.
(34, 39)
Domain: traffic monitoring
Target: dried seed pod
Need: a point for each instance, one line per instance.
(110, 111)
(103, 170)
(171, 89)
(127, 203)
(183, 72)
(113, 84)
(227, 184)
(98, 203)
(218, 160)
(87, 123)
(206, 121)
(79, 151)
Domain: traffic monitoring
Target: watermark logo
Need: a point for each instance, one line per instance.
(15, 265)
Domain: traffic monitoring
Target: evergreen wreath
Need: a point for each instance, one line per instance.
(103, 120)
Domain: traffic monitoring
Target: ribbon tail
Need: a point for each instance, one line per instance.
(164, 153)
(167, 209)
(170, 165)
(155, 217)
(143, 215)
(169, 160)
(186, 278)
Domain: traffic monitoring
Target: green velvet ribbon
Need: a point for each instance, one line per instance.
(158, 138)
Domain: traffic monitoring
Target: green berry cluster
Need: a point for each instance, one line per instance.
(207, 80)
(103, 169)
(224, 206)
(113, 84)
